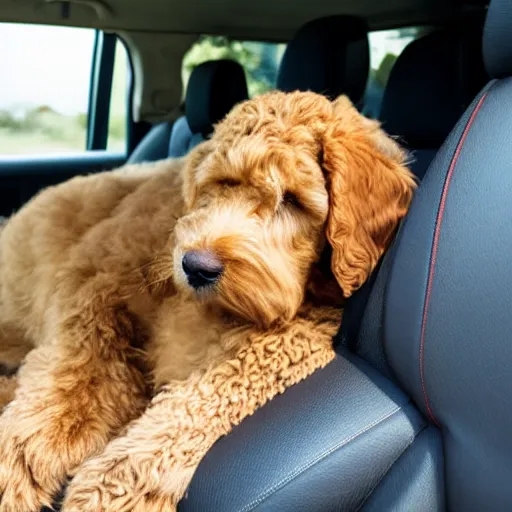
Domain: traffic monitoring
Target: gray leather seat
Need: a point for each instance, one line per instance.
(431, 84)
(434, 432)
(214, 88)
(329, 56)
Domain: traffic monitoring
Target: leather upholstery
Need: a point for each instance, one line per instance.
(154, 146)
(328, 56)
(431, 84)
(366, 337)
(447, 325)
(181, 139)
(497, 41)
(420, 160)
(416, 480)
(410, 269)
(323, 445)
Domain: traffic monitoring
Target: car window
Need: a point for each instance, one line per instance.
(118, 117)
(45, 93)
(385, 47)
(259, 59)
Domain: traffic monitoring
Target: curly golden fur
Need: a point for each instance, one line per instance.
(130, 374)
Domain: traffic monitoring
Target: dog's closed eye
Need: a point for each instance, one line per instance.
(228, 182)
(290, 199)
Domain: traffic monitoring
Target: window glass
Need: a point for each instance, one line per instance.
(44, 97)
(385, 47)
(260, 60)
(117, 121)
(45, 88)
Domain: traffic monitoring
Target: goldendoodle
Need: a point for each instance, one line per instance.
(155, 306)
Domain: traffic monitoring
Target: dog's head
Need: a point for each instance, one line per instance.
(293, 194)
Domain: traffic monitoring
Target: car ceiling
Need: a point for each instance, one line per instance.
(256, 19)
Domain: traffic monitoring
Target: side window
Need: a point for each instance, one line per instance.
(46, 96)
(118, 116)
(259, 59)
(385, 47)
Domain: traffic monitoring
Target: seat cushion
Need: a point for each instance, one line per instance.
(416, 480)
(325, 444)
(328, 56)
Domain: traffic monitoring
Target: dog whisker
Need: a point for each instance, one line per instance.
(151, 284)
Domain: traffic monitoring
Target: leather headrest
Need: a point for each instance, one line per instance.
(328, 56)
(497, 39)
(214, 88)
(431, 84)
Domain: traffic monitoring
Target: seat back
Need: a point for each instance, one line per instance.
(433, 81)
(328, 56)
(214, 88)
(447, 321)
(431, 84)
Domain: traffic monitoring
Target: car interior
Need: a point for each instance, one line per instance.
(413, 412)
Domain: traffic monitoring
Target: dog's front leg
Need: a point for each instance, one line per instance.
(150, 468)
(74, 393)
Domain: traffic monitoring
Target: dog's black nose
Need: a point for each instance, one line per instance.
(202, 268)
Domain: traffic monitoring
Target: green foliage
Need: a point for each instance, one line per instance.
(82, 120)
(52, 129)
(117, 127)
(382, 74)
(260, 60)
(8, 121)
(42, 129)
(43, 120)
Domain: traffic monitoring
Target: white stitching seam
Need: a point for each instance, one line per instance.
(317, 459)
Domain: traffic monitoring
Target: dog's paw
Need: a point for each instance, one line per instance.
(99, 485)
(113, 484)
(121, 484)
(35, 461)
(23, 486)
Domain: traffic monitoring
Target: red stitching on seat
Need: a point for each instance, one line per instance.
(433, 255)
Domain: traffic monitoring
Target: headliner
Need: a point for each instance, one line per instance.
(255, 19)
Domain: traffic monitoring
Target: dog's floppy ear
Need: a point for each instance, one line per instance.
(370, 190)
(192, 163)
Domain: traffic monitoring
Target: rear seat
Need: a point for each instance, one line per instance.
(329, 56)
(213, 89)
(430, 86)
